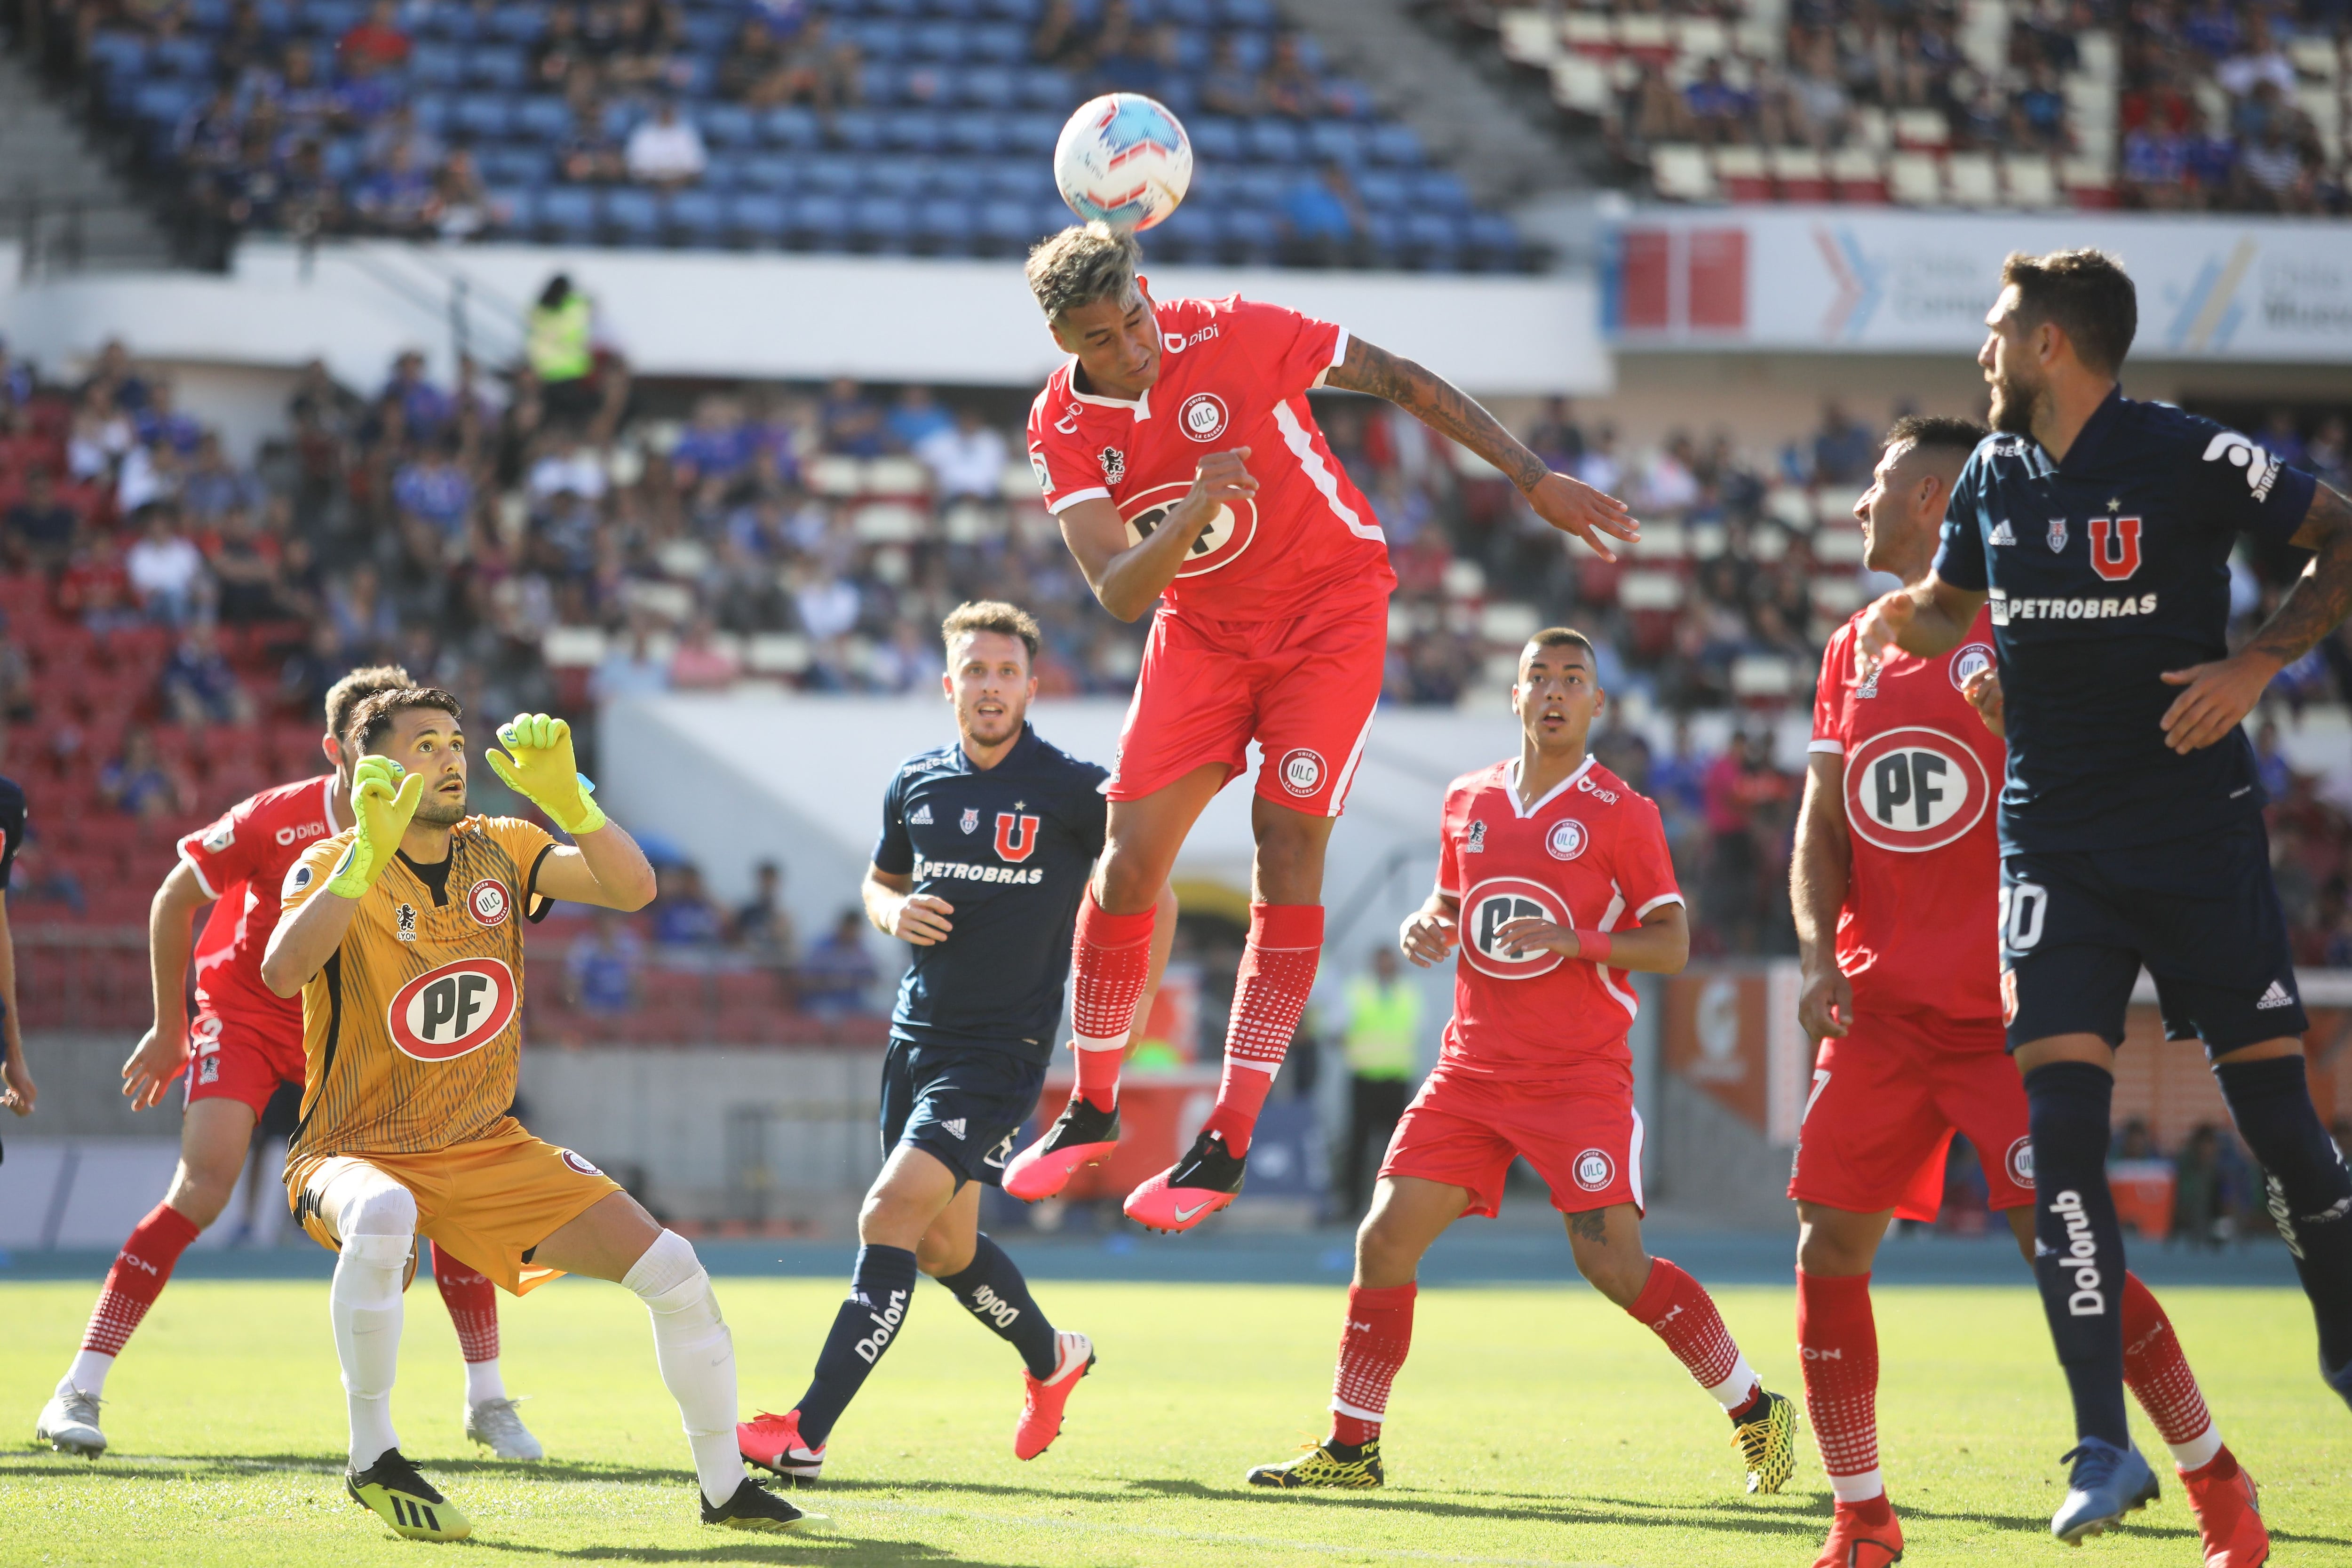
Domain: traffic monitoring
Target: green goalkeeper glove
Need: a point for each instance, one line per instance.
(538, 765)
(384, 797)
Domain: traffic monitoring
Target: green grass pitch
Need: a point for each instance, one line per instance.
(1531, 1426)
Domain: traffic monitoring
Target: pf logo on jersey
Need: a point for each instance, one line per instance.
(1566, 839)
(1914, 789)
(1203, 417)
(1228, 533)
(1495, 903)
(452, 1011)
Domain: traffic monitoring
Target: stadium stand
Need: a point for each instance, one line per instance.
(922, 126)
(172, 616)
(1996, 103)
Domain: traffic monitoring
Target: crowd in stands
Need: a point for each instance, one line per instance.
(2202, 104)
(921, 125)
(176, 609)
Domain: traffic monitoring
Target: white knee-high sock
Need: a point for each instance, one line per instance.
(365, 1304)
(697, 1356)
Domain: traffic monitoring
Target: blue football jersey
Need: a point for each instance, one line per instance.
(1010, 848)
(2102, 572)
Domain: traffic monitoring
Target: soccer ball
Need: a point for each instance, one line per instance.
(1125, 159)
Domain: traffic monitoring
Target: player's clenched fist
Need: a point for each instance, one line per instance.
(1982, 689)
(921, 919)
(538, 765)
(1429, 936)
(384, 798)
(1222, 479)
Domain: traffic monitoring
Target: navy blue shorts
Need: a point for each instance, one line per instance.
(961, 1103)
(2201, 914)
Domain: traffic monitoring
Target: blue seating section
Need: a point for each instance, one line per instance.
(948, 153)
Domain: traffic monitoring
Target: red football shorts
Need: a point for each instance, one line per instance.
(231, 1060)
(1885, 1102)
(1585, 1142)
(1302, 689)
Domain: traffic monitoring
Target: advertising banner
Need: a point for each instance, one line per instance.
(1861, 279)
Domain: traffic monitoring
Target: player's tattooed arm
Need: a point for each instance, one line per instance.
(1819, 871)
(1567, 504)
(2220, 694)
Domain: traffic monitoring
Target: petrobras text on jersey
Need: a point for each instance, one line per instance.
(2007, 611)
(949, 870)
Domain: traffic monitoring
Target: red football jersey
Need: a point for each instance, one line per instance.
(1591, 854)
(1920, 930)
(241, 860)
(1233, 373)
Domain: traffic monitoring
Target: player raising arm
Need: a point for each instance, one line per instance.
(1179, 452)
(2131, 832)
(403, 936)
(982, 859)
(244, 1042)
(1554, 880)
(1893, 883)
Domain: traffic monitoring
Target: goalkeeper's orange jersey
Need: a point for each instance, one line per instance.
(412, 1030)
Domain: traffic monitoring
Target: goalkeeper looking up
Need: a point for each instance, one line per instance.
(403, 934)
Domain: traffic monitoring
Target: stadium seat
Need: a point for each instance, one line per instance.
(1441, 189)
(1740, 171)
(1914, 179)
(567, 213)
(451, 24)
(944, 226)
(1215, 140)
(1800, 174)
(830, 173)
(1033, 135)
(1043, 87)
(542, 116)
(517, 24)
(1274, 141)
(1398, 146)
(792, 127)
(727, 125)
(1337, 142)
(1009, 227)
(819, 222)
(501, 66)
(514, 210)
(711, 32)
(696, 218)
(1263, 185)
(936, 40)
(165, 104)
(757, 218)
(1971, 179)
(975, 131)
(998, 44)
(987, 86)
(904, 177)
(768, 172)
(1494, 241)
(436, 64)
(634, 215)
(330, 19)
(913, 130)
(882, 223)
(1383, 190)
(857, 130)
(181, 56)
(1433, 239)
(1858, 175)
(481, 116)
(878, 38)
(431, 111)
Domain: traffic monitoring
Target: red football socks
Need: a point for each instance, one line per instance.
(1110, 960)
(1839, 1339)
(138, 1277)
(1677, 1309)
(1286, 943)
(1372, 1345)
(2158, 1376)
(473, 1303)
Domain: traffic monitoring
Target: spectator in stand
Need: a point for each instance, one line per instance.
(213, 487)
(39, 526)
(683, 915)
(567, 466)
(715, 443)
(916, 418)
(1717, 111)
(753, 70)
(1226, 87)
(197, 686)
(434, 492)
(165, 568)
(306, 676)
(666, 150)
(1288, 86)
(838, 975)
(1845, 449)
(821, 71)
(139, 784)
(966, 459)
(701, 663)
(2200, 1209)
(1323, 219)
(366, 621)
(601, 971)
(851, 421)
(94, 586)
(762, 926)
(398, 197)
(630, 666)
(243, 559)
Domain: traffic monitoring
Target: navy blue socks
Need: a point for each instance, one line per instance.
(993, 1290)
(2309, 1192)
(880, 1291)
(2078, 1247)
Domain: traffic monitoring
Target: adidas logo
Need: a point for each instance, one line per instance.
(922, 816)
(2276, 996)
(2000, 533)
(955, 1129)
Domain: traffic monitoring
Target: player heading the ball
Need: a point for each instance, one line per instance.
(1553, 880)
(1177, 448)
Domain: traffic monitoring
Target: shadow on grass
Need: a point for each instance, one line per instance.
(118, 1466)
(814, 1550)
(1549, 1509)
